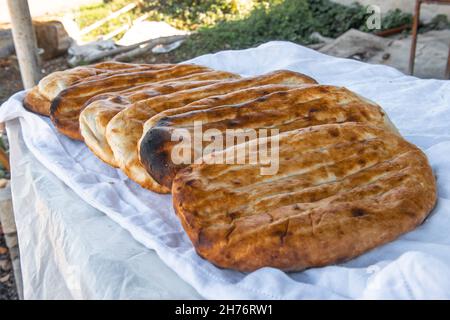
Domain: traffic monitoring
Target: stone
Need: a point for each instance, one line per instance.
(5, 278)
(355, 43)
(5, 264)
(6, 43)
(52, 38)
(431, 54)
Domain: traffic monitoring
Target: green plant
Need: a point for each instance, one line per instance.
(395, 18)
(439, 22)
(182, 14)
(191, 14)
(275, 20)
(237, 24)
(333, 19)
(89, 14)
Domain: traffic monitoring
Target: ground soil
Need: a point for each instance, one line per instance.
(10, 81)
(7, 284)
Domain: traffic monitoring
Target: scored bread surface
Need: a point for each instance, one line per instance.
(341, 190)
(36, 102)
(51, 85)
(101, 109)
(39, 98)
(125, 130)
(67, 106)
(345, 180)
(284, 109)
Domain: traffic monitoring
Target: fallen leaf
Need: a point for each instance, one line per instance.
(5, 278)
(5, 265)
(3, 183)
(3, 250)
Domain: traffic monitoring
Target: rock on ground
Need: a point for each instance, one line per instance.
(356, 44)
(431, 54)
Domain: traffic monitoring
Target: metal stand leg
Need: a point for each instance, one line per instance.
(447, 72)
(415, 28)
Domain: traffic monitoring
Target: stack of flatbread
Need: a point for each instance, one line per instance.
(341, 179)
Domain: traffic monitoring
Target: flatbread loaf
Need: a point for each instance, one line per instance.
(341, 190)
(35, 102)
(101, 109)
(39, 99)
(67, 106)
(124, 131)
(255, 108)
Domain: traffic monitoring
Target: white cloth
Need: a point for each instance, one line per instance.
(417, 265)
(70, 250)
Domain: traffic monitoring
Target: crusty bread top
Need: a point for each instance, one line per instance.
(51, 85)
(66, 107)
(341, 189)
(36, 102)
(232, 98)
(145, 91)
(284, 109)
(125, 130)
(101, 109)
(39, 98)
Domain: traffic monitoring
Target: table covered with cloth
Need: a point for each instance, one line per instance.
(87, 231)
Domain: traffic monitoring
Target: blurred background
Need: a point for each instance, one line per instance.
(75, 32)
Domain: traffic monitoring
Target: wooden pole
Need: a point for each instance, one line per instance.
(128, 56)
(148, 44)
(24, 42)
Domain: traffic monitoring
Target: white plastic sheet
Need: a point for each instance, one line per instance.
(415, 266)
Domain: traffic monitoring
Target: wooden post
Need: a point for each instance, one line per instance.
(24, 42)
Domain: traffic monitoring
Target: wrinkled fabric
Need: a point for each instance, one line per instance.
(415, 266)
(70, 250)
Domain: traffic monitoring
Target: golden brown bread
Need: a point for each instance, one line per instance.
(341, 190)
(101, 109)
(269, 106)
(39, 98)
(67, 106)
(124, 131)
(36, 102)
(51, 85)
